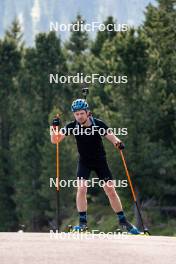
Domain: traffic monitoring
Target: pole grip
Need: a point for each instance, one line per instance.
(57, 166)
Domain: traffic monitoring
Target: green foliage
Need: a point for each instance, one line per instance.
(10, 61)
(103, 36)
(78, 42)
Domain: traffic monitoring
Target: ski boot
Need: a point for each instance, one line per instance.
(129, 228)
(80, 228)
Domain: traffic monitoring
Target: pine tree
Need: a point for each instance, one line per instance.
(159, 27)
(36, 99)
(76, 49)
(10, 63)
(102, 36)
(78, 41)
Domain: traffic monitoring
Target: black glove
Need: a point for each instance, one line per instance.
(120, 145)
(56, 121)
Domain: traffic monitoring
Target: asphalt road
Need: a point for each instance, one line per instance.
(46, 248)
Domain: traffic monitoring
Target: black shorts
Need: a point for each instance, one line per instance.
(100, 167)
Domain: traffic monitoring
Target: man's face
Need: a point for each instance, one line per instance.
(81, 116)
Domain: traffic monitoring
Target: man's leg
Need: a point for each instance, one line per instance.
(117, 207)
(83, 173)
(113, 196)
(81, 196)
(81, 202)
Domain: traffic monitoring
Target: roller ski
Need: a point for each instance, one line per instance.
(132, 230)
(77, 228)
(129, 229)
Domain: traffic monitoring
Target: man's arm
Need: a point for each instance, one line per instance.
(110, 136)
(115, 141)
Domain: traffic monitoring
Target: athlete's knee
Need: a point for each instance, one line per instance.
(82, 187)
(82, 190)
(110, 191)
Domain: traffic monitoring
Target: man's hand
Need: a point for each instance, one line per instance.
(56, 121)
(120, 145)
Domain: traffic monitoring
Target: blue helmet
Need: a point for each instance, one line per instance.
(79, 104)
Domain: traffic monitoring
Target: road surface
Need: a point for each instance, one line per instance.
(46, 248)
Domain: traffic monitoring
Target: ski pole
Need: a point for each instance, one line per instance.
(57, 186)
(57, 154)
(57, 182)
(133, 192)
(57, 167)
